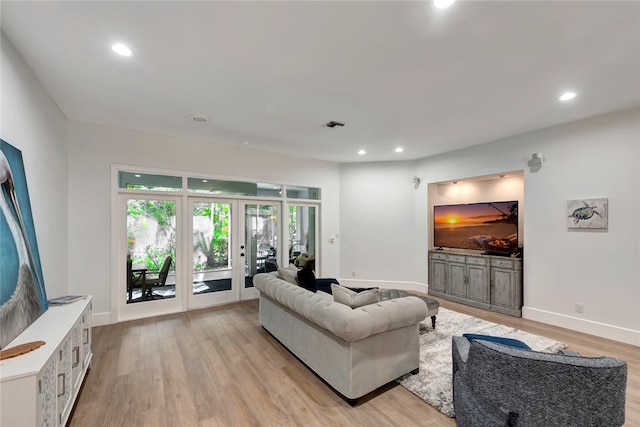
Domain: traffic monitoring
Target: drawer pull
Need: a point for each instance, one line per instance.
(86, 335)
(64, 384)
(76, 356)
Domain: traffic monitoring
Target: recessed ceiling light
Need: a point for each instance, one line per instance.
(245, 142)
(204, 180)
(361, 152)
(121, 49)
(137, 175)
(442, 4)
(567, 96)
(399, 150)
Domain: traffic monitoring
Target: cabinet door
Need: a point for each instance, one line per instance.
(47, 398)
(437, 275)
(64, 378)
(457, 280)
(503, 292)
(76, 365)
(86, 337)
(478, 280)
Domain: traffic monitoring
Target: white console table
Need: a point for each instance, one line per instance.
(39, 388)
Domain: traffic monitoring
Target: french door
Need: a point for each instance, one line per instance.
(231, 241)
(225, 243)
(259, 244)
(150, 243)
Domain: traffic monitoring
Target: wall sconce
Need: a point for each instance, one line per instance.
(416, 182)
(537, 158)
(536, 162)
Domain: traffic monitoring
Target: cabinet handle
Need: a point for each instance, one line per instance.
(64, 384)
(86, 335)
(76, 356)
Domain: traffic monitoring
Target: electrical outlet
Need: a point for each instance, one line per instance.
(579, 308)
(353, 274)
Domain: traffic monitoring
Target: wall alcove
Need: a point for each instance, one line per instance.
(466, 275)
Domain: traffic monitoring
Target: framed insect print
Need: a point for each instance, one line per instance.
(588, 213)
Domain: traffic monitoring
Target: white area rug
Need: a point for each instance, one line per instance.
(433, 383)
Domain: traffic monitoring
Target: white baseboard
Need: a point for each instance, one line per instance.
(616, 333)
(385, 284)
(99, 319)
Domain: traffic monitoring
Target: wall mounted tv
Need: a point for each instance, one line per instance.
(491, 227)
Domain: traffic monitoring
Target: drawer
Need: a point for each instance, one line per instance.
(436, 255)
(472, 260)
(457, 258)
(504, 263)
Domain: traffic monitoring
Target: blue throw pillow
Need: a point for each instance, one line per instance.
(324, 284)
(500, 340)
(307, 279)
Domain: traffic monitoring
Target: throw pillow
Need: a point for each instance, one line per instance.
(360, 289)
(351, 298)
(511, 342)
(324, 284)
(289, 275)
(307, 279)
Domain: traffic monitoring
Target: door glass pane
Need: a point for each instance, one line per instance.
(151, 250)
(302, 233)
(261, 240)
(211, 247)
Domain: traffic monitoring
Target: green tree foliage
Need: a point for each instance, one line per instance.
(217, 249)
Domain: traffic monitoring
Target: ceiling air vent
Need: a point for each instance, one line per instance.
(333, 124)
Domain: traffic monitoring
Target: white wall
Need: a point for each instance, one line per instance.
(92, 151)
(32, 122)
(377, 221)
(598, 157)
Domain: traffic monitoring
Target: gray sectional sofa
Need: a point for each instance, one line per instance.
(498, 385)
(354, 350)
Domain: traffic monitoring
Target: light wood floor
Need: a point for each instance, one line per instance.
(218, 367)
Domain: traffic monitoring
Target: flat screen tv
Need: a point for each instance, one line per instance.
(491, 227)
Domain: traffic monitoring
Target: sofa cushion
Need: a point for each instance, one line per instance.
(511, 342)
(288, 275)
(324, 284)
(307, 279)
(353, 299)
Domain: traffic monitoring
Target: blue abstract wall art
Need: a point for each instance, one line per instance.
(22, 293)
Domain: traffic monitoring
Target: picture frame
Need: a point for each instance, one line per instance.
(22, 293)
(588, 213)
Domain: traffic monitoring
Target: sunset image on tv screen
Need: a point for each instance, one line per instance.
(491, 226)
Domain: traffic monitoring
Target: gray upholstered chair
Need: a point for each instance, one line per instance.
(498, 385)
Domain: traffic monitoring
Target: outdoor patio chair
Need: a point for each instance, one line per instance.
(156, 279)
(134, 279)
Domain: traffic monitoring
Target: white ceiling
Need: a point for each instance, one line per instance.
(272, 73)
